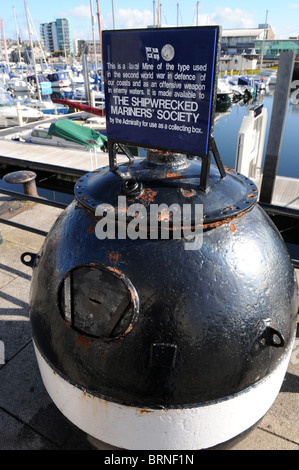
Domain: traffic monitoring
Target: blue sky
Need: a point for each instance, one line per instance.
(284, 17)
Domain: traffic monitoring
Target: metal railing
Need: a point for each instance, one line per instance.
(27, 197)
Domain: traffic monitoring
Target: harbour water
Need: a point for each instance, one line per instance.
(228, 125)
(226, 129)
(49, 185)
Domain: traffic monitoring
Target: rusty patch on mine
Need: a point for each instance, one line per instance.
(188, 192)
(83, 341)
(232, 227)
(91, 229)
(122, 210)
(174, 176)
(229, 169)
(113, 257)
(227, 220)
(164, 214)
(148, 195)
(116, 271)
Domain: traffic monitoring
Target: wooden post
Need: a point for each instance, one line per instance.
(281, 96)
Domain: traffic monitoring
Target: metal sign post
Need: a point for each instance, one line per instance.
(280, 103)
(161, 89)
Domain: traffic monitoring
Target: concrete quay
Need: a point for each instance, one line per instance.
(29, 420)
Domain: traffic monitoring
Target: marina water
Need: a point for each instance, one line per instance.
(229, 122)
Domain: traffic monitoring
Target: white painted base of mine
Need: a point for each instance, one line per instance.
(191, 428)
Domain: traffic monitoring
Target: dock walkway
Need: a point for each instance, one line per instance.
(76, 162)
(286, 192)
(35, 157)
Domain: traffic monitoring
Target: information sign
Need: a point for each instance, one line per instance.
(160, 87)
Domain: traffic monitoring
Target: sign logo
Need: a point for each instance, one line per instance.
(152, 53)
(167, 52)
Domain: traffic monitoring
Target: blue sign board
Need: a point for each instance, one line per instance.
(160, 87)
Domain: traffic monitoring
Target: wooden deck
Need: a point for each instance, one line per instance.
(286, 192)
(34, 157)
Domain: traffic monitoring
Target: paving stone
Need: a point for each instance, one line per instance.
(24, 396)
(14, 316)
(260, 439)
(10, 258)
(5, 278)
(19, 436)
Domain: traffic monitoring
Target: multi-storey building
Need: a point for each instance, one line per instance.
(238, 41)
(57, 36)
(83, 45)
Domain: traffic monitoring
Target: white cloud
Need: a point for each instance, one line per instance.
(293, 5)
(228, 18)
(80, 18)
(128, 18)
(125, 18)
(81, 11)
(80, 34)
(235, 18)
(203, 19)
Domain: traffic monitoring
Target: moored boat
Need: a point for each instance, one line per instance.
(12, 112)
(224, 92)
(67, 134)
(59, 80)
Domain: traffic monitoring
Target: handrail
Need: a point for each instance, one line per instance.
(23, 227)
(279, 210)
(39, 200)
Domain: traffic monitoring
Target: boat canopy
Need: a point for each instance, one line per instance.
(58, 75)
(41, 78)
(71, 131)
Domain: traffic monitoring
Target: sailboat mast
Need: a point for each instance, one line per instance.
(93, 38)
(113, 14)
(4, 43)
(263, 43)
(32, 53)
(40, 46)
(18, 36)
(100, 29)
(158, 14)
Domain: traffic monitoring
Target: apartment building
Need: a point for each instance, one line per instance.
(57, 36)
